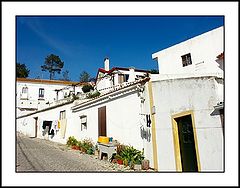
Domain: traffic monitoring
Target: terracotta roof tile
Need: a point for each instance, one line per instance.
(61, 82)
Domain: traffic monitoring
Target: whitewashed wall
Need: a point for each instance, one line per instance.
(26, 125)
(33, 95)
(179, 95)
(106, 82)
(122, 121)
(204, 50)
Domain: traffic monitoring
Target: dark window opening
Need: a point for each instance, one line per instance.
(186, 60)
(123, 78)
(25, 90)
(62, 115)
(41, 93)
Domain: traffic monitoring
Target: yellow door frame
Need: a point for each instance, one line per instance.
(176, 139)
(154, 141)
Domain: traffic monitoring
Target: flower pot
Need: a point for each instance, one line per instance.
(114, 161)
(120, 161)
(75, 147)
(137, 166)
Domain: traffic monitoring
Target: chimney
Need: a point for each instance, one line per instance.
(106, 64)
(132, 74)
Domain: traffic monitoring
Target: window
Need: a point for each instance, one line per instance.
(41, 93)
(83, 120)
(24, 94)
(62, 115)
(186, 60)
(24, 89)
(123, 78)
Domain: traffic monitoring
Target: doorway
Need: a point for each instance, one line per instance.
(186, 152)
(102, 121)
(36, 126)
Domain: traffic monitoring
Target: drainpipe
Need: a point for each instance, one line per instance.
(131, 75)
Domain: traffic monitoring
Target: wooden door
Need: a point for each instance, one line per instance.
(187, 144)
(102, 121)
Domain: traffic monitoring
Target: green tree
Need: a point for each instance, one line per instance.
(65, 75)
(22, 71)
(84, 77)
(52, 64)
(87, 88)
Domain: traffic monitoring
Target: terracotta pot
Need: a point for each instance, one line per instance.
(120, 161)
(75, 147)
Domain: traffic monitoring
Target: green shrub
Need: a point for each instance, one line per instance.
(87, 144)
(130, 154)
(87, 88)
(90, 151)
(94, 94)
(72, 141)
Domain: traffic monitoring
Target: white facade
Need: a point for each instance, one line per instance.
(123, 123)
(33, 94)
(117, 76)
(203, 50)
(198, 95)
(126, 111)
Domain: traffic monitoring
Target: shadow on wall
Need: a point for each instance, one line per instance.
(145, 133)
(215, 112)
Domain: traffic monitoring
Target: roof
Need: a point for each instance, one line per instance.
(41, 81)
(119, 68)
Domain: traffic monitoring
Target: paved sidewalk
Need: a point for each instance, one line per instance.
(38, 155)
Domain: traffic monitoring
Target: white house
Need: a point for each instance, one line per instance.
(197, 55)
(36, 94)
(175, 116)
(107, 78)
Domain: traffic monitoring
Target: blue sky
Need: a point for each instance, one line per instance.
(83, 42)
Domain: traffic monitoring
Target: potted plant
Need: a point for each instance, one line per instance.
(125, 162)
(90, 151)
(119, 159)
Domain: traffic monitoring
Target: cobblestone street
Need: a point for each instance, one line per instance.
(38, 155)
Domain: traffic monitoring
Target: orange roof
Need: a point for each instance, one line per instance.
(60, 82)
